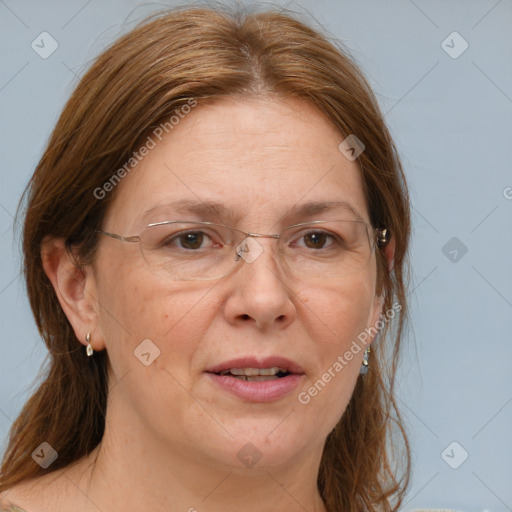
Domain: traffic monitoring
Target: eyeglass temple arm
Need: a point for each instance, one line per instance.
(119, 237)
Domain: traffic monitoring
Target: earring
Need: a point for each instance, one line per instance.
(365, 365)
(383, 237)
(89, 349)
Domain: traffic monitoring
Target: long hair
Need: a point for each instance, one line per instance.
(176, 57)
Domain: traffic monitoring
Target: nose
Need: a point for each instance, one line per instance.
(259, 291)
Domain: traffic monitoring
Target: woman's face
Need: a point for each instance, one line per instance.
(259, 159)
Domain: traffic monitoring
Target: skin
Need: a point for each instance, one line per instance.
(172, 437)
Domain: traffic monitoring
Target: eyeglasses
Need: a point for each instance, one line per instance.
(319, 250)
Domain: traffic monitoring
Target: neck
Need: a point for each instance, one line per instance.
(131, 471)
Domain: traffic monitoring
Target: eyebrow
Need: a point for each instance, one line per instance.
(316, 207)
(221, 211)
(199, 208)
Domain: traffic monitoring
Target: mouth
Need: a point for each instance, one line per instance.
(251, 368)
(257, 380)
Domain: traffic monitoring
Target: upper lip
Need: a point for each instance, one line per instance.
(254, 362)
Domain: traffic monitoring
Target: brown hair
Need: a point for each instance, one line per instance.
(204, 54)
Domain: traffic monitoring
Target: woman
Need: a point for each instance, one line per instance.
(214, 238)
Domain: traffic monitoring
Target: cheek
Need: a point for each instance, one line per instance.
(136, 305)
(336, 317)
(174, 319)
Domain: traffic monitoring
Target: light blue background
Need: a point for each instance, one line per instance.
(452, 122)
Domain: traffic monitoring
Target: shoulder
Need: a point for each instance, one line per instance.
(43, 493)
(22, 497)
(7, 506)
(19, 498)
(55, 491)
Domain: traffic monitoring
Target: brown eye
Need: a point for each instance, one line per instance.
(191, 240)
(316, 240)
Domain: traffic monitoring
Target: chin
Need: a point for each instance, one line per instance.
(259, 449)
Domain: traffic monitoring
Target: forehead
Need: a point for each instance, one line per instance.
(258, 158)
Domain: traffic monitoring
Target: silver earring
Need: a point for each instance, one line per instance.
(365, 365)
(89, 349)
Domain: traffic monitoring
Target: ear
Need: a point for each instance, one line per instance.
(378, 303)
(75, 289)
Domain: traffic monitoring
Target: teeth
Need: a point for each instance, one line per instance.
(254, 372)
(256, 378)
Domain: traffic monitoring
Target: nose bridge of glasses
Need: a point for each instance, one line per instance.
(249, 249)
(262, 235)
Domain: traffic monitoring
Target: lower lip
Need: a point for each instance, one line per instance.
(263, 391)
